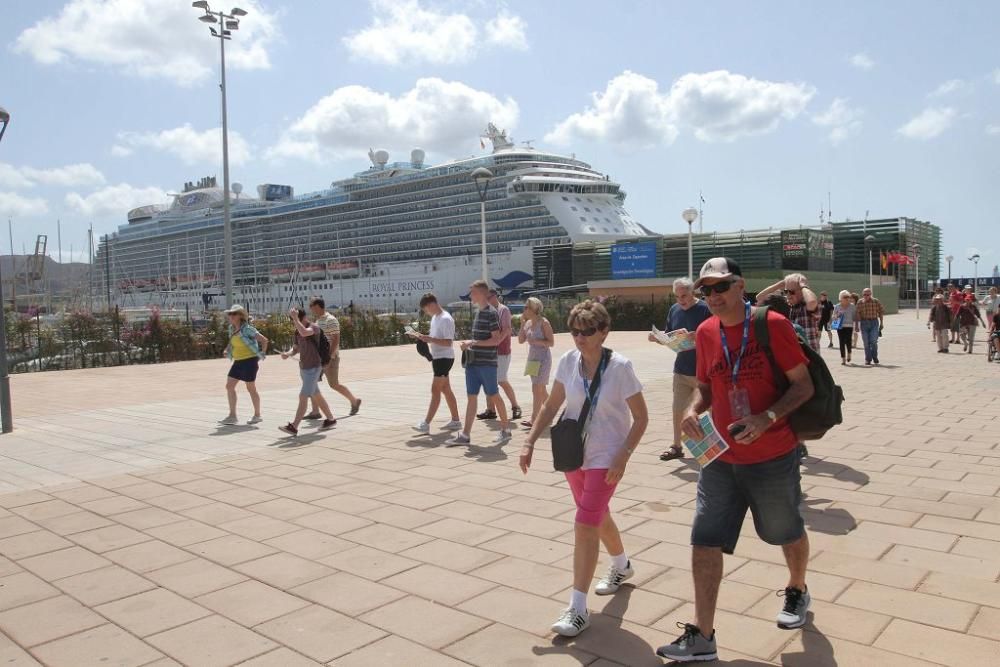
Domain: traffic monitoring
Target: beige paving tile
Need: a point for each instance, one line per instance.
(386, 538)
(744, 634)
(936, 645)
(502, 646)
(530, 613)
(766, 575)
(424, 622)
(440, 585)
(915, 537)
(151, 612)
(195, 577)
(211, 641)
(369, 563)
(259, 528)
(48, 509)
(63, 563)
(832, 620)
(810, 649)
(347, 593)
(113, 505)
(251, 602)
(988, 569)
(526, 576)
(319, 633)
(465, 532)
(918, 607)
(958, 587)
(23, 588)
(185, 533)
(230, 550)
(44, 621)
(149, 517)
(216, 513)
(147, 556)
(733, 595)
(395, 651)
(104, 585)
(310, 544)
(333, 522)
(109, 538)
(400, 517)
(23, 498)
(285, 509)
(975, 547)
(283, 657)
(875, 571)
(77, 522)
(104, 645)
(181, 500)
(987, 624)
(457, 557)
(530, 548)
(26, 545)
(12, 654)
(283, 570)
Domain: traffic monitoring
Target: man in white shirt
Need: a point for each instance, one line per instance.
(440, 339)
(331, 329)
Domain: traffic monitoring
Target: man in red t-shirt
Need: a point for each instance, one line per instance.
(955, 301)
(760, 471)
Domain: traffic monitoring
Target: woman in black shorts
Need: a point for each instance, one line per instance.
(246, 348)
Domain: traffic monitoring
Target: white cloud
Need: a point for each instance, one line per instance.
(842, 120)
(71, 175)
(16, 206)
(440, 116)
(716, 106)
(951, 87)
(404, 32)
(115, 200)
(861, 61)
(186, 143)
(147, 38)
(929, 123)
(993, 130)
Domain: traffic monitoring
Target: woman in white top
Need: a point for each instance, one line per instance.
(439, 341)
(991, 303)
(537, 333)
(844, 314)
(619, 419)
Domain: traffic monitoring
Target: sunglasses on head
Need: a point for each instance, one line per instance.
(717, 288)
(586, 333)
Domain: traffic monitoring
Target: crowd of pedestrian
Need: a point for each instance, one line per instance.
(955, 316)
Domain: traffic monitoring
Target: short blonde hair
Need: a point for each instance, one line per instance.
(844, 294)
(534, 304)
(590, 313)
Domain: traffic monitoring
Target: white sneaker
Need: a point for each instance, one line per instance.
(613, 580)
(571, 623)
(229, 421)
(503, 438)
(458, 440)
(255, 420)
(422, 427)
(453, 425)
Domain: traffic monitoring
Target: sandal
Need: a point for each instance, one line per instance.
(675, 452)
(526, 423)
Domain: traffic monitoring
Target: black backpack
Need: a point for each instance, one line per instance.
(322, 344)
(819, 414)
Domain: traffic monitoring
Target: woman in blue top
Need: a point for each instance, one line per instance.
(246, 348)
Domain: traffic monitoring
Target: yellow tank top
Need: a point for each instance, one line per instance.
(240, 349)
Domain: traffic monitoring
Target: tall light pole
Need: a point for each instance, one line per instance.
(5, 412)
(916, 271)
(949, 259)
(227, 23)
(689, 215)
(975, 273)
(481, 177)
(869, 240)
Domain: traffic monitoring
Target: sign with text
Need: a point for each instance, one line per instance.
(633, 260)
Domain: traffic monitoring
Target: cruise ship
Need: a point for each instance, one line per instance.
(378, 240)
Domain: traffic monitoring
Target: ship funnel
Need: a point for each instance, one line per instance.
(417, 157)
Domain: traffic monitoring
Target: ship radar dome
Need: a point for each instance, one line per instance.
(381, 157)
(237, 188)
(417, 157)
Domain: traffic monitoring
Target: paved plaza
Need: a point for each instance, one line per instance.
(136, 531)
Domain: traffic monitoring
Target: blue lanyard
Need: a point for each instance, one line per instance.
(586, 386)
(743, 346)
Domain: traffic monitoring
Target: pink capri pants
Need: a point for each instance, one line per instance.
(591, 493)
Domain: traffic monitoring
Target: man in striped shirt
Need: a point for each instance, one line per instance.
(331, 329)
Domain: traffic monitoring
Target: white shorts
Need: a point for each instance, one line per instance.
(503, 367)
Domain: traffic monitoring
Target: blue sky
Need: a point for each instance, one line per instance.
(894, 107)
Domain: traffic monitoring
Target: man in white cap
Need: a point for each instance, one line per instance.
(804, 307)
(760, 470)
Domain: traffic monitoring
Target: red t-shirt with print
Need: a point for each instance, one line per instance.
(755, 376)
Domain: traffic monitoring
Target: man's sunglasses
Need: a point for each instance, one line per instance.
(717, 288)
(586, 333)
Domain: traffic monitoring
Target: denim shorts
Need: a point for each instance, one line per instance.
(310, 380)
(481, 377)
(771, 490)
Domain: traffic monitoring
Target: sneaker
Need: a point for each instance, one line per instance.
(356, 407)
(313, 416)
(515, 412)
(327, 424)
(830, 345)
(571, 623)
(256, 419)
(489, 414)
(793, 614)
(613, 580)
(229, 421)
(422, 427)
(453, 425)
(876, 361)
(458, 440)
(691, 646)
(503, 438)
(289, 429)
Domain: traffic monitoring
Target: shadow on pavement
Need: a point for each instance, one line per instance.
(300, 440)
(845, 473)
(232, 430)
(817, 651)
(486, 454)
(436, 440)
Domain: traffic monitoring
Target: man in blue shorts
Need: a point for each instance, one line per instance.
(480, 360)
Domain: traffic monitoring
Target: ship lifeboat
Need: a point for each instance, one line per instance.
(312, 272)
(281, 275)
(207, 280)
(346, 269)
(183, 282)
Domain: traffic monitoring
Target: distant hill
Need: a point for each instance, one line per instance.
(62, 279)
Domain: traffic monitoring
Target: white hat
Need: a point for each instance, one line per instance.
(720, 268)
(236, 309)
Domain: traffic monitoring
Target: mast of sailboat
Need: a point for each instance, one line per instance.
(90, 273)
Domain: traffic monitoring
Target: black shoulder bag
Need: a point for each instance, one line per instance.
(567, 435)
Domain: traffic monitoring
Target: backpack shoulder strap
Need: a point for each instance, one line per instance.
(760, 328)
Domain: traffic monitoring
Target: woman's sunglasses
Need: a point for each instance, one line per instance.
(586, 333)
(717, 288)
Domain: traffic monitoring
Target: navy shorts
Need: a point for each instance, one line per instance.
(442, 366)
(481, 377)
(771, 490)
(245, 370)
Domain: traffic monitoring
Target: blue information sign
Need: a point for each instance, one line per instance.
(633, 260)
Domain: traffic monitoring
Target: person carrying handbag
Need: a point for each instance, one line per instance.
(604, 419)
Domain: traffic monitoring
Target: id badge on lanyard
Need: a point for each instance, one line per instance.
(739, 397)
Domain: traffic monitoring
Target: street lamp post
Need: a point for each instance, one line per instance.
(227, 23)
(916, 271)
(949, 259)
(5, 412)
(975, 273)
(689, 215)
(481, 177)
(869, 240)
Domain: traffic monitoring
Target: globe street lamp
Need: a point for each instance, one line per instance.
(689, 215)
(227, 23)
(481, 177)
(975, 273)
(5, 414)
(949, 259)
(869, 240)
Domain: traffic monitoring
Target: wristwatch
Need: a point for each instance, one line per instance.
(772, 415)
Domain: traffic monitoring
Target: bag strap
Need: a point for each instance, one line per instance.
(594, 386)
(763, 336)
